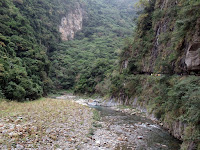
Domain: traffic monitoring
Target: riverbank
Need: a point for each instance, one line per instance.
(66, 122)
(44, 124)
(123, 127)
(54, 123)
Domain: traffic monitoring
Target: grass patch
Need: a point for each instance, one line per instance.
(91, 132)
(96, 115)
(96, 125)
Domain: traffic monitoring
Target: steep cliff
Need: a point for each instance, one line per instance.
(174, 32)
(168, 34)
(155, 67)
(71, 23)
(192, 58)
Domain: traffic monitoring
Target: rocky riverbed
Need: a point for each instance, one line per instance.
(67, 123)
(125, 128)
(44, 124)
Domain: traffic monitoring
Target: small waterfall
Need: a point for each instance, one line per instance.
(157, 36)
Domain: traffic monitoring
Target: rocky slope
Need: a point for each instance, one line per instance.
(170, 42)
(153, 66)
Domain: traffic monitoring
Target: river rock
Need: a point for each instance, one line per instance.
(53, 137)
(9, 120)
(133, 113)
(33, 129)
(164, 146)
(120, 138)
(19, 128)
(1, 141)
(18, 121)
(13, 134)
(140, 137)
(19, 147)
(20, 118)
(98, 142)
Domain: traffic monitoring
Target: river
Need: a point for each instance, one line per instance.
(123, 131)
(140, 133)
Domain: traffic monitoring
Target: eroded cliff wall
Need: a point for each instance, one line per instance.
(176, 18)
(71, 23)
(167, 39)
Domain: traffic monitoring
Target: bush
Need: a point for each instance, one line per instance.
(14, 91)
(184, 96)
(33, 90)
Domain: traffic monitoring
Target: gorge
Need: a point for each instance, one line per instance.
(140, 53)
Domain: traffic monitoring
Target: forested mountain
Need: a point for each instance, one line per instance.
(160, 67)
(30, 37)
(84, 62)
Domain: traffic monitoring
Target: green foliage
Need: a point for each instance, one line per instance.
(24, 65)
(93, 75)
(29, 40)
(116, 84)
(1, 94)
(86, 62)
(158, 46)
(14, 91)
(183, 96)
(96, 115)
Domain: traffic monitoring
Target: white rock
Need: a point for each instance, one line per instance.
(98, 142)
(19, 147)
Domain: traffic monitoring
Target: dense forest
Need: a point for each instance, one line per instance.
(34, 59)
(83, 63)
(28, 32)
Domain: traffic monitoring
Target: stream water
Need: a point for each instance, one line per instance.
(140, 133)
(135, 132)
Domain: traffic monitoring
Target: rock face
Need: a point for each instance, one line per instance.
(170, 52)
(192, 59)
(71, 23)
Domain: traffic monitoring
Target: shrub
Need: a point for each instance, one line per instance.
(14, 91)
